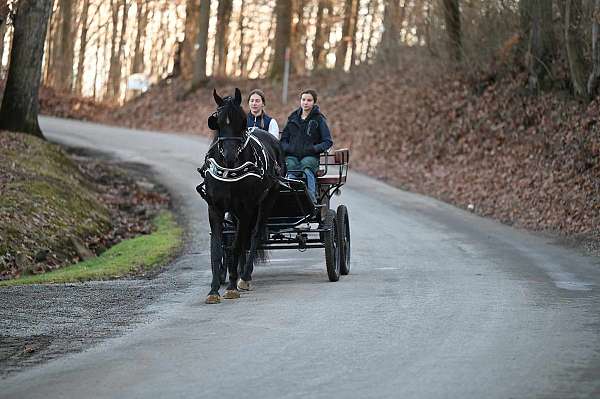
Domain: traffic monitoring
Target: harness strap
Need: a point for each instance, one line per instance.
(255, 169)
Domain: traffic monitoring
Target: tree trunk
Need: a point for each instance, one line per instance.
(202, 44)
(114, 52)
(242, 55)
(47, 71)
(573, 42)
(594, 79)
(117, 48)
(64, 48)
(298, 40)
(536, 19)
(453, 29)
(388, 48)
(354, 33)
(121, 51)
(283, 28)
(369, 39)
(192, 10)
(140, 37)
(221, 40)
(82, 46)
(2, 33)
(342, 47)
(4, 10)
(319, 36)
(19, 110)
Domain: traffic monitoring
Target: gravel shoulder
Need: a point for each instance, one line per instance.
(43, 322)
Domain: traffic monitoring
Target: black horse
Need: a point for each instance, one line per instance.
(241, 173)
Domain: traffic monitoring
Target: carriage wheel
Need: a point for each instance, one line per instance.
(332, 249)
(343, 225)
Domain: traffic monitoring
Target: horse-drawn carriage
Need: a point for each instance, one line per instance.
(253, 207)
(296, 222)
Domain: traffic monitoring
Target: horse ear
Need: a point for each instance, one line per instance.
(213, 122)
(238, 96)
(218, 98)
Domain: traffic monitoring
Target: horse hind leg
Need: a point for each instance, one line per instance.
(254, 241)
(243, 284)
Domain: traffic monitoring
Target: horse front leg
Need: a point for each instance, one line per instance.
(215, 217)
(244, 283)
(232, 265)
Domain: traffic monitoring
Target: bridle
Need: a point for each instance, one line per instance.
(218, 143)
(244, 139)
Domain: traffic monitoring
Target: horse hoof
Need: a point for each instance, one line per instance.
(231, 294)
(244, 285)
(211, 299)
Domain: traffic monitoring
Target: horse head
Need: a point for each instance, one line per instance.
(229, 122)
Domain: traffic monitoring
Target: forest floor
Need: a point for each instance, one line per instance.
(60, 206)
(478, 141)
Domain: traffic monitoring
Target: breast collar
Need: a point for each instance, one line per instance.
(247, 169)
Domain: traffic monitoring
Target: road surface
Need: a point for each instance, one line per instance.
(440, 303)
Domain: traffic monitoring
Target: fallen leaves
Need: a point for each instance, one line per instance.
(532, 161)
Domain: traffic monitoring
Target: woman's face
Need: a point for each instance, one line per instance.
(256, 104)
(307, 102)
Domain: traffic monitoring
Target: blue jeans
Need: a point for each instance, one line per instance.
(309, 165)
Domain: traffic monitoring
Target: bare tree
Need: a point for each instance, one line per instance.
(188, 51)
(353, 55)
(140, 37)
(369, 38)
(319, 43)
(536, 23)
(82, 46)
(114, 52)
(573, 42)
(241, 29)
(4, 15)
(346, 41)
(202, 44)
(221, 40)
(388, 47)
(117, 48)
(64, 48)
(298, 39)
(283, 11)
(19, 110)
(453, 29)
(592, 86)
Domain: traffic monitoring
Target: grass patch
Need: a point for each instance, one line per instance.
(133, 255)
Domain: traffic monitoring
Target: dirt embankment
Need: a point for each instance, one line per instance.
(57, 208)
(480, 143)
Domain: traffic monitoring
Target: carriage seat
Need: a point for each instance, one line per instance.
(333, 167)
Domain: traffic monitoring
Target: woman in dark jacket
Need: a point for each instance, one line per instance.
(304, 137)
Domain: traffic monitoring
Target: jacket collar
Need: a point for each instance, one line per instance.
(297, 114)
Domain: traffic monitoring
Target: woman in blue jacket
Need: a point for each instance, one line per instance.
(304, 137)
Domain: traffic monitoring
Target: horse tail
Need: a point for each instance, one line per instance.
(262, 255)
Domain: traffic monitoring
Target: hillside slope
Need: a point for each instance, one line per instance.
(485, 145)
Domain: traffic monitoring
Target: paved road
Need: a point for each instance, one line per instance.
(439, 304)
